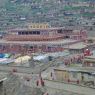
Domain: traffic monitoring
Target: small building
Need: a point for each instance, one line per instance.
(73, 75)
(89, 61)
(37, 37)
(79, 35)
(77, 48)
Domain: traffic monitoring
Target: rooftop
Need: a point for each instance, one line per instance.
(77, 69)
(63, 42)
(80, 45)
(29, 29)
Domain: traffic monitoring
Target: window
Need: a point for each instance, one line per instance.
(33, 26)
(30, 33)
(22, 33)
(38, 32)
(31, 47)
(34, 32)
(67, 37)
(26, 33)
(46, 26)
(37, 26)
(60, 31)
(19, 33)
(74, 75)
(40, 26)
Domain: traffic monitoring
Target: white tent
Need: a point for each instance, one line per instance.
(40, 57)
(6, 60)
(22, 59)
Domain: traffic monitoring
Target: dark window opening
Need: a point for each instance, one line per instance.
(34, 32)
(60, 31)
(67, 37)
(19, 33)
(26, 33)
(30, 33)
(22, 33)
(31, 47)
(49, 47)
(90, 41)
(38, 32)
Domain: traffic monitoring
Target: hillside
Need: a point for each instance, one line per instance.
(14, 13)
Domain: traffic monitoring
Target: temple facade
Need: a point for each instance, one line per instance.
(38, 37)
(36, 32)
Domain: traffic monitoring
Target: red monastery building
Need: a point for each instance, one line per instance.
(39, 38)
(36, 32)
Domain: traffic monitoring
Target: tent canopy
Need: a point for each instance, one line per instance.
(4, 55)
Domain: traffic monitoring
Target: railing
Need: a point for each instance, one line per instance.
(33, 37)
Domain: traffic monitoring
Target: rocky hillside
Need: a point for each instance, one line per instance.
(16, 13)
